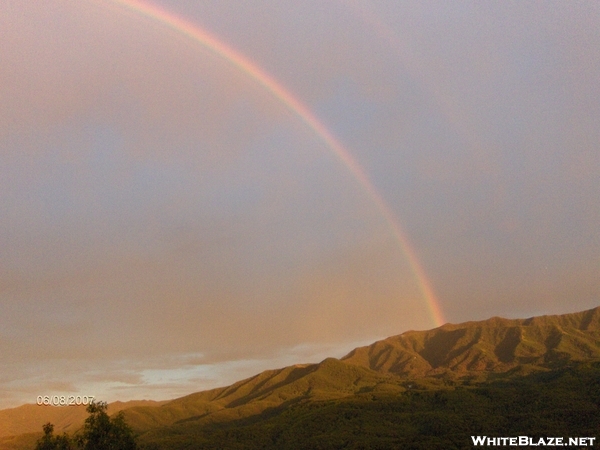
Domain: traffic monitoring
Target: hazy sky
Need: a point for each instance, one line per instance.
(169, 224)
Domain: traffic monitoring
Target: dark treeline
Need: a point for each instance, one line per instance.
(100, 432)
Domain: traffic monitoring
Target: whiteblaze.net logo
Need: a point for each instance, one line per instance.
(526, 441)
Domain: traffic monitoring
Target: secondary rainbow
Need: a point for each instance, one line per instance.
(221, 49)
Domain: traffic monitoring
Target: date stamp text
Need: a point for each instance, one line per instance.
(64, 400)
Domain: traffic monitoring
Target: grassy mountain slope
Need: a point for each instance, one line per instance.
(443, 359)
(273, 388)
(493, 345)
(472, 350)
(560, 402)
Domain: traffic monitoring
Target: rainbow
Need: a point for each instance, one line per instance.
(202, 37)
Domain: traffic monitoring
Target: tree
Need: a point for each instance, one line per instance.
(100, 432)
(51, 442)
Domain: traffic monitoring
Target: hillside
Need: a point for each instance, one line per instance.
(495, 345)
(426, 389)
(30, 418)
(561, 402)
(270, 389)
(444, 358)
(440, 357)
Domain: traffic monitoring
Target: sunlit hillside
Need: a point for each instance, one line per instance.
(550, 352)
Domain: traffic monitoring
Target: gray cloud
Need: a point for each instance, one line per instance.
(168, 225)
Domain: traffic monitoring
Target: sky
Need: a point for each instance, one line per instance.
(192, 192)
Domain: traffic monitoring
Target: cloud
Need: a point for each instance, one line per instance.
(165, 216)
(119, 72)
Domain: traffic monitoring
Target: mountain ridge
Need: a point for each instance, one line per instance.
(496, 344)
(434, 358)
(437, 358)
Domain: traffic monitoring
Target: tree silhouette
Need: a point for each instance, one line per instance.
(51, 442)
(100, 432)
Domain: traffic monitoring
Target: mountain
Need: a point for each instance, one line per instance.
(445, 359)
(440, 357)
(30, 418)
(563, 402)
(495, 345)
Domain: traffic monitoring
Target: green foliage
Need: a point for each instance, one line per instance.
(101, 432)
(563, 402)
(51, 442)
(433, 389)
